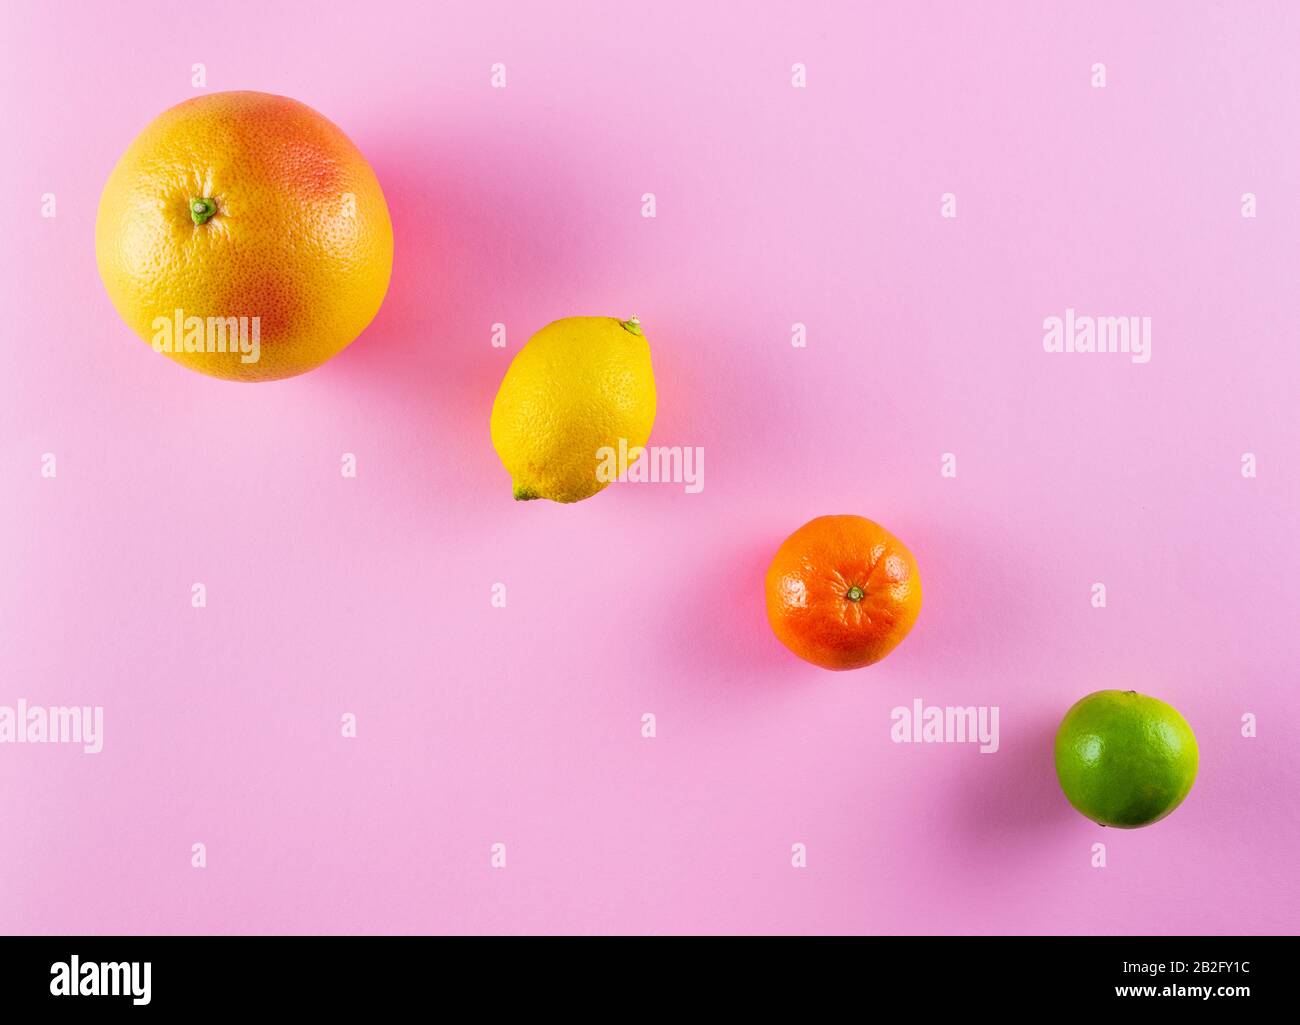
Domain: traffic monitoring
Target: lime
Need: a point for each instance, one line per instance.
(1125, 759)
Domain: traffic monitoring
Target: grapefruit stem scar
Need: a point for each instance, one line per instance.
(201, 210)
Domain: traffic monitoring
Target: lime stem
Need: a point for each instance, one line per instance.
(201, 210)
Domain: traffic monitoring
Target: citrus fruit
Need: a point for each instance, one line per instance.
(244, 236)
(1125, 759)
(842, 592)
(578, 390)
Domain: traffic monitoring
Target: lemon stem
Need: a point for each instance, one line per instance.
(855, 593)
(631, 324)
(201, 210)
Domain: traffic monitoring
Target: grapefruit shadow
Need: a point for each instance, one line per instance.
(473, 244)
(496, 239)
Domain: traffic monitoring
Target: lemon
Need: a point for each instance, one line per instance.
(1125, 759)
(578, 388)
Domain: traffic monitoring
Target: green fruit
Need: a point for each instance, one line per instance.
(1125, 759)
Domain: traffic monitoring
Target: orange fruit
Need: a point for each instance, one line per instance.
(842, 592)
(259, 221)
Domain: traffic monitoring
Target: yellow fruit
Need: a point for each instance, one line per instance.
(578, 388)
(244, 205)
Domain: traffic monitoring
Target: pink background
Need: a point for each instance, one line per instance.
(521, 725)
